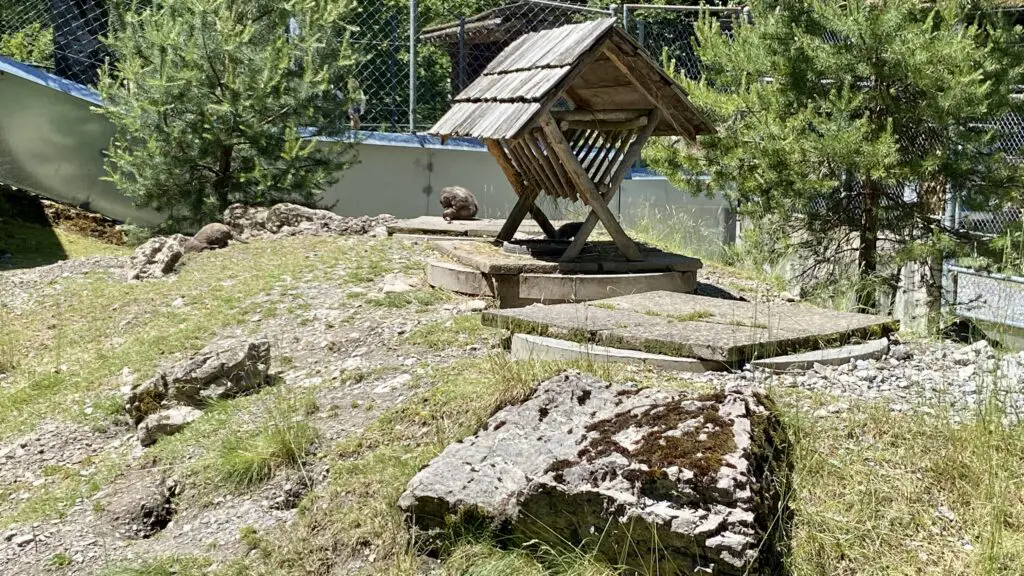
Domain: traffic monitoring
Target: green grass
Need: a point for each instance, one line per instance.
(55, 498)
(869, 483)
(165, 566)
(248, 458)
(72, 344)
(32, 245)
(458, 332)
(59, 560)
(418, 298)
(238, 444)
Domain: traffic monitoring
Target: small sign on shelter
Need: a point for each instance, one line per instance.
(611, 97)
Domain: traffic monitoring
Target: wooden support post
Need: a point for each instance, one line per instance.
(515, 217)
(608, 191)
(498, 152)
(587, 189)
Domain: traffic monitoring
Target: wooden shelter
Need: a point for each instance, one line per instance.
(565, 112)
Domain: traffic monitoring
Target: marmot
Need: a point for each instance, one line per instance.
(458, 203)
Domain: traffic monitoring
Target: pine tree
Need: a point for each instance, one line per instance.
(849, 121)
(212, 100)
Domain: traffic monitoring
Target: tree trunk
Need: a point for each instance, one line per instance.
(867, 253)
(222, 185)
(933, 203)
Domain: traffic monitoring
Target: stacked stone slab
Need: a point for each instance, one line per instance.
(172, 399)
(659, 481)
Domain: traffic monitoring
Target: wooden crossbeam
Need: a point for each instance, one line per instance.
(600, 115)
(637, 74)
(608, 190)
(587, 189)
(604, 125)
(511, 226)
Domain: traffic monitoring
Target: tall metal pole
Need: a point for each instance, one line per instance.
(412, 66)
(462, 53)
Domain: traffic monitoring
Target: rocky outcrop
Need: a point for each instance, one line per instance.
(294, 220)
(172, 399)
(139, 504)
(157, 257)
(640, 476)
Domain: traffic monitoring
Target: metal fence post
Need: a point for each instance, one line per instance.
(462, 53)
(412, 66)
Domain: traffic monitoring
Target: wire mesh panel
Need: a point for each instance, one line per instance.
(380, 38)
(668, 32)
(62, 36)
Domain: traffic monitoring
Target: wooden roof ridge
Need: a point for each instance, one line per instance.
(526, 78)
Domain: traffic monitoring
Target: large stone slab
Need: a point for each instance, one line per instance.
(530, 347)
(479, 227)
(871, 350)
(691, 326)
(602, 257)
(660, 481)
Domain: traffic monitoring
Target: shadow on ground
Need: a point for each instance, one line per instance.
(27, 238)
(712, 291)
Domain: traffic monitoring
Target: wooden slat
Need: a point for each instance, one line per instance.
(608, 191)
(541, 150)
(613, 98)
(595, 154)
(638, 74)
(526, 166)
(541, 168)
(685, 108)
(587, 190)
(579, 63)
(586, 152)
(613, 160)
(602, 152)
(519, 186)
(601, 73)
(603, 125)
(602, 115)
(563, 177)
(614, 151)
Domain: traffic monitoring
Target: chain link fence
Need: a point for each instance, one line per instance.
(61, 36)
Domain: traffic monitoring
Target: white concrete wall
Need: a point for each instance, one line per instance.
(403, 175)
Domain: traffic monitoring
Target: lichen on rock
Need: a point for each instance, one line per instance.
(691, 482)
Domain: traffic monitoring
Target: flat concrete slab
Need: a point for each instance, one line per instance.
(601, 257)
(871, 350)
(685, 325)
(587, 287)
(481, 228)
(530, 347)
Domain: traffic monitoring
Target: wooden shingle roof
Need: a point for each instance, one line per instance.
(535, 70)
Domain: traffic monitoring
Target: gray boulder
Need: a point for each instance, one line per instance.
(165, 423)
(293, 220)
(640, 476)
(157, 257)
(139, 504)
(224, 369)
(246, 221)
